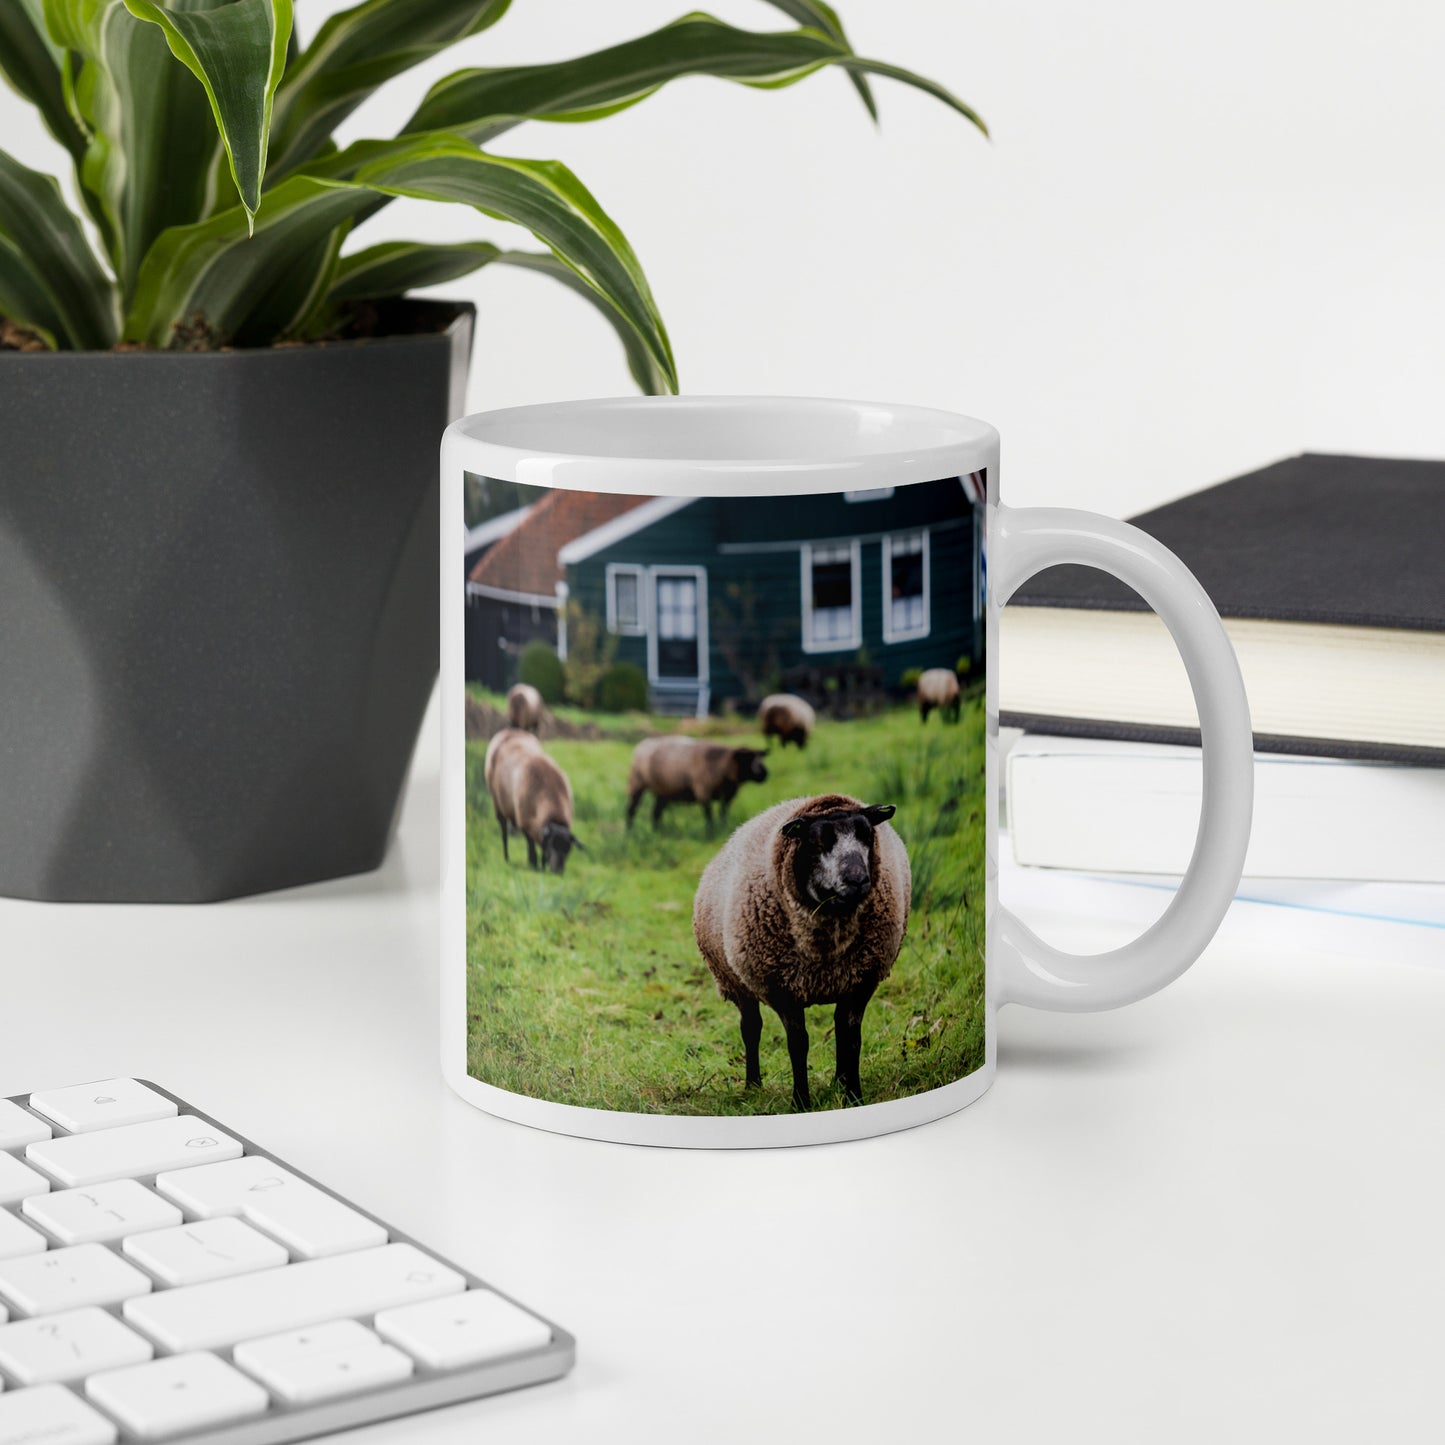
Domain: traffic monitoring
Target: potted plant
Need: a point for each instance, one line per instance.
(218, 495)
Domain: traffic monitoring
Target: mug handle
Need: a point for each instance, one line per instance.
(1023, 542)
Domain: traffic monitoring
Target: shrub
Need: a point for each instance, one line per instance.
(623, 689)
(909, 677)
(541, 666)
(590, 650)
(964, 665)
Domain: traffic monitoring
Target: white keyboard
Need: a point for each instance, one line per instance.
(163, 1279)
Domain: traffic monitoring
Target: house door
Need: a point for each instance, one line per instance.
(679, 625)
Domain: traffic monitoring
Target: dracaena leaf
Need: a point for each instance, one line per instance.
(357, 50)
(818, 16)
(481, 104)
(150, 160)
(641, 362)
(212, 272)
(395, 267)
(237, 50)
(31, 63)
(49, 276)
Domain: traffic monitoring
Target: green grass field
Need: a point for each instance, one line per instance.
(589, 989)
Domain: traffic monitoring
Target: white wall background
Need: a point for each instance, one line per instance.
(1200, 239)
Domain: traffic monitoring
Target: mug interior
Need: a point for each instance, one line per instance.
(705, 441)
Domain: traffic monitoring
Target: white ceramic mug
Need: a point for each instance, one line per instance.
(761, 781)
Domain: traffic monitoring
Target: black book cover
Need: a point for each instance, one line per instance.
(1352, 541)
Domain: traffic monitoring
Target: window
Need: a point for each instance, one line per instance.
(832, 614)
(905, 586)
(624, 599)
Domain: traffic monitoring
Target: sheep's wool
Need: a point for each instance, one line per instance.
(761, 938)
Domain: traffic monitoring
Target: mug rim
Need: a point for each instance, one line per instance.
(725, 445)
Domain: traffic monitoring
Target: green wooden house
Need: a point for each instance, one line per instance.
(721, 600)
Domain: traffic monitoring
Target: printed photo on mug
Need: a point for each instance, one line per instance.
(725, 805)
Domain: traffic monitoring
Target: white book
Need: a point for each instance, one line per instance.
(1100, 805)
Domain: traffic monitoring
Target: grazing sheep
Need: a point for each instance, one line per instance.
(687, 770)
(938, 688)
(805, 904)
(524, 707)
(530, 794)
(787, 718)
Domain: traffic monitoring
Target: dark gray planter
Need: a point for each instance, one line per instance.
(218, 610)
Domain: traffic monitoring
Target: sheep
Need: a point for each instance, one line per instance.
(805, 904)
(524, 707)
(787, 718)
(530, 794)
(687, 770)
(938, 688)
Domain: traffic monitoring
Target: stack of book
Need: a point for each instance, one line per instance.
(1329, 573)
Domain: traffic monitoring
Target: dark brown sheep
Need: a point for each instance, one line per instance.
(805, 904)
(687, 770)
(530, 794)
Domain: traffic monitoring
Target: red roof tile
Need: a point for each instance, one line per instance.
(525, 560)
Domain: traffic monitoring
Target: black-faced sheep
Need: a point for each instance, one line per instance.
(805, 904)
(530, 794)
(787, 718)
(938, 688)
(524, 707)
(687, 770)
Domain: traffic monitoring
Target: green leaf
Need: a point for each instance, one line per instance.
(817, 16)
(31, 64)
(49, 276)
(641, 362)
(356, 51)
(150, 160)
(24, 298)
(481, 104)
(237, 50)
(396, 267)
(211, 271)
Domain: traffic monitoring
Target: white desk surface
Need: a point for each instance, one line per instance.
(1218, 1214)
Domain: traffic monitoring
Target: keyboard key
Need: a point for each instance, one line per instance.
(102, 1213)
(307, 1220)
(133, 1150)
(105, 1104)
(227, 1311)
(176, 1395)
(66, 1347)
(302, 1367)
(18, 1128)
(209, 1249)
(18, 1181)
(17, 1237)
(66, 1279)
(51, 1415)
(468, 1329)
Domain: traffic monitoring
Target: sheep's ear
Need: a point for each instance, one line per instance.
(578, 843)
(795, 827)
(879, 813)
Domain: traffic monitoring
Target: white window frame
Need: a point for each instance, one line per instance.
(704, 675)
(855, 639)
(915, 633)
(634, 569)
